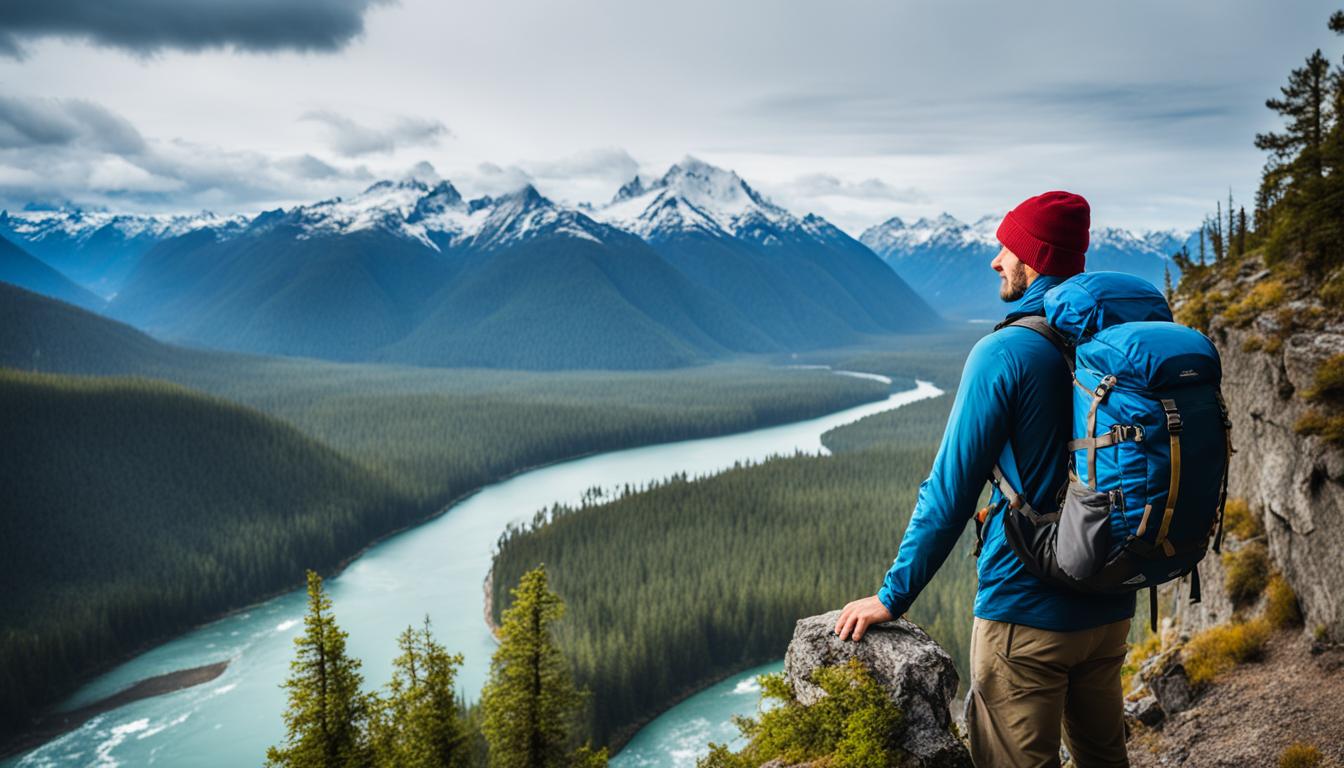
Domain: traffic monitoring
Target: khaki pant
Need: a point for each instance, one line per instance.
(1027, 682)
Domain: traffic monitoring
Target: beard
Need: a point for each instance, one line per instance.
(1013, 283)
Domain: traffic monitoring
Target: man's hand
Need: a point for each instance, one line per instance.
(859, 615)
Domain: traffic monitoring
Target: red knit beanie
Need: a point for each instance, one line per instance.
(1048, 232)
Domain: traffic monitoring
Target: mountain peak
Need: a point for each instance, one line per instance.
(694, 196)
(630, 189)
(701, 183)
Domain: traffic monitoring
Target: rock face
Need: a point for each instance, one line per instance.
(1295, 482)
(905, 661)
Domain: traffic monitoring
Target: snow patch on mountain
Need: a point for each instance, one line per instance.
(77, 226)
(894, 238)
(696, 196)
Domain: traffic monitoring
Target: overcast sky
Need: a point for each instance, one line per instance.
(857, 111)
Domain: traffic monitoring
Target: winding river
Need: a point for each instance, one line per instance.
(436, 568)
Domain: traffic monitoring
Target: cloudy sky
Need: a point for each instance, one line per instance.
(857, 110)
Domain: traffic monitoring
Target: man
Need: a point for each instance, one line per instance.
(1042, 656)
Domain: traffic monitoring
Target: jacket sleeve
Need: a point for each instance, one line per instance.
(977, 430)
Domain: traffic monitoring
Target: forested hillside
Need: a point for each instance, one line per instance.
(133, 508)
(411, 439)
(679, 584)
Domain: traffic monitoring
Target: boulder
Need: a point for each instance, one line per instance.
(1146, 710)
(905, 661)
(1172, 689)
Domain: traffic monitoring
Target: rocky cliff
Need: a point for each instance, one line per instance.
(1294, 482)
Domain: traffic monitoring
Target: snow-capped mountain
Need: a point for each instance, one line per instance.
(947, 260)
(693, 265)
(437, 217)
(97, 249)
(79, 226)
(694, 196)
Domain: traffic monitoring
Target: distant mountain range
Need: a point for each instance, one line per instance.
(690, 266)
(698, 265)
(947, 260)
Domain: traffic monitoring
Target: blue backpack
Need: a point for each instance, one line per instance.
(1151, 444)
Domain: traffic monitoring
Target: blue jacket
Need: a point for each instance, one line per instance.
(1012, 407)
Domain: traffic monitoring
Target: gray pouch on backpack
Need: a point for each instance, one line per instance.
(1083, 533)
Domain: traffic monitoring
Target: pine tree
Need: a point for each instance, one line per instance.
(1294, 179)
(1241, 231)
(1167, 288)
(327, 712)
(531, 704)
(419, 723)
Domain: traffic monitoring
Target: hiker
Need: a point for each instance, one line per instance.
(1043, 657)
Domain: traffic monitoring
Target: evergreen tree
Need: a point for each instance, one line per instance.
(1168, 289)
(1241, 231)
(1294, 182)
(531, 704)
(420, 723)
(327, 712)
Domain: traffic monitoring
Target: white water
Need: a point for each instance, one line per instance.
(436, 568)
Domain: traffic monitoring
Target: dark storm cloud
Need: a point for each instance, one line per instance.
(351, 139)
(147, 26)
(32, 123)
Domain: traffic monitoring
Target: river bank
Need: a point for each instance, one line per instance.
(58, 723)
(438, 567)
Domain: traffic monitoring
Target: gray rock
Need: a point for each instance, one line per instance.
(915, 670)
(1146, 710)
(1172, 689)
(1295, 482)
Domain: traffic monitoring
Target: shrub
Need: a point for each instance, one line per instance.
(1281, 609)
(1199, 308)
(1240, 522)
(1313, 422)
(1328, 383)
(1300, 755)
(1332, 291)
(1247, 573)
(1218, 649)
(855, 724)
(1263, 296)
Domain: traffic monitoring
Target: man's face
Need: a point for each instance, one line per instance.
(1014, 276)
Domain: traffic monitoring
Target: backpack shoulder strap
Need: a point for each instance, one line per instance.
(1040, 325)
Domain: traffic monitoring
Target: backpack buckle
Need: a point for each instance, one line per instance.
(1173, 422)
(1107, 382)
(1123, 432)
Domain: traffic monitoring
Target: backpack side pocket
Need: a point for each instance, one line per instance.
(1083, 535)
